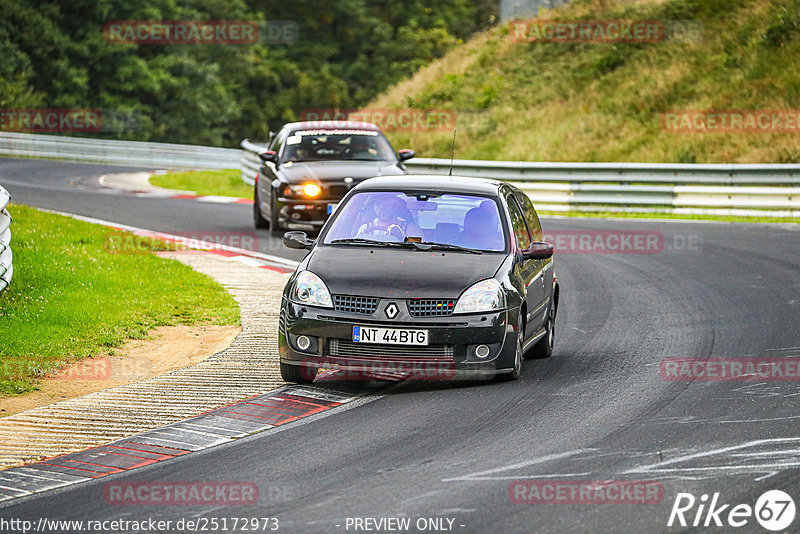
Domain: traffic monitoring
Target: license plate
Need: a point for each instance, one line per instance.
(331, 208)
(389, 336)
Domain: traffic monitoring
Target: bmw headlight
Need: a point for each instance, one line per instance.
(310, 289)
(486, 295)
(310, 190)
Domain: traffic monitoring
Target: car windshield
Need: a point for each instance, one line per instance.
(468, 221)
(323, 145)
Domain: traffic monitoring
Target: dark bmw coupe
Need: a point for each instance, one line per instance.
(310, 166)
(422, 275)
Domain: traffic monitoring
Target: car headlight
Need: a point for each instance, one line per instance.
(309, 190)
(486, 295)
(310, 289)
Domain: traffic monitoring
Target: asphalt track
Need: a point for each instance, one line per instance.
(597, 410)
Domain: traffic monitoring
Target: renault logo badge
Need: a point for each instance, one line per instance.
(391, 310)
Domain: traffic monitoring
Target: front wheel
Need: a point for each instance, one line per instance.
(517, 370)
(299, 374)
(544, 348)
(258, 220)
(275, 227)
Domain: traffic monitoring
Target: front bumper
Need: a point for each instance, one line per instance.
(450, 351)
(304, 214)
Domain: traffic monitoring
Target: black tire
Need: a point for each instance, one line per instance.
(517, 371)
(299, 374)
(258, 220)
(544, 348)
(275, 227)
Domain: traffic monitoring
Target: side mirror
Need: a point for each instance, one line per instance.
(538, 251)
(269, 155)
(406, 154)
(297, 240)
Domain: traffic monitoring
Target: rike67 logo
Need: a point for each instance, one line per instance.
(774, 510)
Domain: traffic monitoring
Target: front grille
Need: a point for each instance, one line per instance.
(341, 347)
(393, 324)
(350, 304)
(431, 307)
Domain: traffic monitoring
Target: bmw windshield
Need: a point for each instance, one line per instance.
(324, 145)
(451, 221)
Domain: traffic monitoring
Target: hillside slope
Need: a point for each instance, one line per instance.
(606, 101)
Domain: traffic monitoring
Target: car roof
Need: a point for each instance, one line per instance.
(433, 183)
(331, 125)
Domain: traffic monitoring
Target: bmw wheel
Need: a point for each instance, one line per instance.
(258, 220)
(274, 225)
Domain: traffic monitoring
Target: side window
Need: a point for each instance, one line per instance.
(518, 223)
(530, 216)
(277, 143)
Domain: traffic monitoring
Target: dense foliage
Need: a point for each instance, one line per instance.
(605, 101)
(55, 55)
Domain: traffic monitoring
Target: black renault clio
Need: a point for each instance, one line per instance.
(421, 276)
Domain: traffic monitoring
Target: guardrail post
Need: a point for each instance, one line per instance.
(6, 257)
(250, 162)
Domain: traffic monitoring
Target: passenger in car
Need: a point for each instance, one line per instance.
(482, 228)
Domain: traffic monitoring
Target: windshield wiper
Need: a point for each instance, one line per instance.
(448, 246)
(364, 241)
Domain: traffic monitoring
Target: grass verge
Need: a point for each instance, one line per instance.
(73, 297)
(226, 183)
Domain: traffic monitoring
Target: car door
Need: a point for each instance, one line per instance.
(545, 266)
(529, 271)
(268, 173)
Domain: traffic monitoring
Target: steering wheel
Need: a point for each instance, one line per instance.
(393, 230)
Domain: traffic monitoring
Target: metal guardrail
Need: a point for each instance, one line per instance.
(726, 189)
(130, 153)
(249, 162)
(6, 267)
(718, 189)
(624, 173)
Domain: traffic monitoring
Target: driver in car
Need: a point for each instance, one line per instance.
(361, 148)
(298, 153)
(394, 220)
